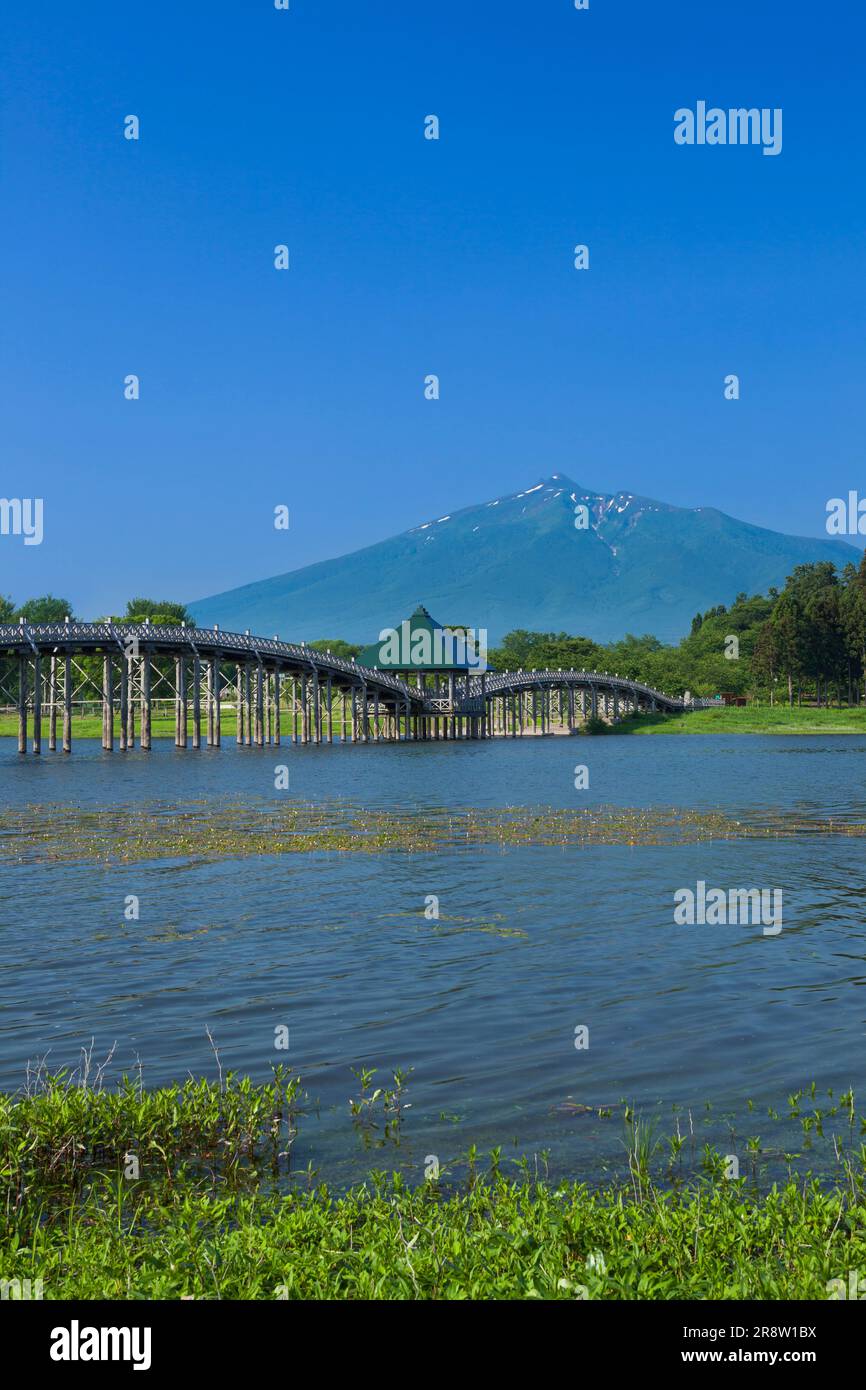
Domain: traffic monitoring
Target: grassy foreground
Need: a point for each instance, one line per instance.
(171, 1194)
(499, 1240)
(750, 719)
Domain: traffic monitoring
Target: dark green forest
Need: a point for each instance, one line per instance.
(805, 643)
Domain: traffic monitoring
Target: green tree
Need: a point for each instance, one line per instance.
(47, 609)
(337, 647)
(767, 658)
(161, 612)
(789, 629)
(853, 615)
(524, 650)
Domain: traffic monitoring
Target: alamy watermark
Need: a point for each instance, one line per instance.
(77, 1343)
(22, 516)
(855, 1288)
(846, 516)
(401, 648)
(737, 126)
(21, 1289)
(703, 906)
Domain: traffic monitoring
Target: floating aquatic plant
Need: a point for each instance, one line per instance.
(211, 831)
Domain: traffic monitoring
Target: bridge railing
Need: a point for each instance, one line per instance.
(213, 641)
(507, 680)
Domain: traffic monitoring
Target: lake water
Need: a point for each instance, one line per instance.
(531, 943)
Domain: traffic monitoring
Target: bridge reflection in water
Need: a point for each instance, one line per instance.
(279, 690)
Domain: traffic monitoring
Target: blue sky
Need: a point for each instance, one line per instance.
(411, 257)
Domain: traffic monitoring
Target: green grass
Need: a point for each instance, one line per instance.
(90, 726)
(500, 1239)
(204, 1216)
(749, 719)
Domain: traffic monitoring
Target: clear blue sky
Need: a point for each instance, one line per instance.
(410, 257)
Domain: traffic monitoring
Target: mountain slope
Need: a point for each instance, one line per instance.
(518, 561)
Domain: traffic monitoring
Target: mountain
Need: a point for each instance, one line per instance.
(519, 561)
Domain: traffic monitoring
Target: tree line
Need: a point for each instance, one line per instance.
(49, 609)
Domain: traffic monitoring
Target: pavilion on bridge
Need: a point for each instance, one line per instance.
(440, 660)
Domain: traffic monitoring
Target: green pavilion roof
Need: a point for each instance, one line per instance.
(419, 643)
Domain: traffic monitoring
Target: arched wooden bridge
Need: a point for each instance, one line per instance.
(47, 671)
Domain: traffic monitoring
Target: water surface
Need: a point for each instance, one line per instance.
(532, 941)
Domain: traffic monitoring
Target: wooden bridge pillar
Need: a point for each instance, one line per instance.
(177, 665)
(67, 702)
(209, 700)
(22, 704)
(37, 702)
(52, 705)
(107, 705)
(128, 659)
(124, 701)
(239, 722)
(277, 730)
(130, 698)
(181, 711)
(305, 712)
(217, 707)
(260, 705)
(317, 709)
(248, 704)
(196, 701)
(146, 708)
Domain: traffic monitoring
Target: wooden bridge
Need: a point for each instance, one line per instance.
(277, 688)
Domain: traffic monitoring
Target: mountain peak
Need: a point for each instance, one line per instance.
(522, 561)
